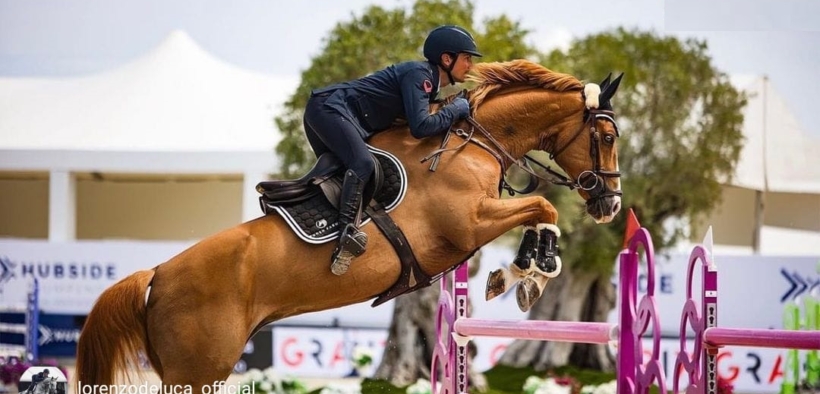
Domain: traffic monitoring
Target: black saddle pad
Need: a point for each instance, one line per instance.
(315, 220)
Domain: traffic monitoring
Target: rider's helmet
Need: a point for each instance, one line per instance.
(45, 371)
(449, 39)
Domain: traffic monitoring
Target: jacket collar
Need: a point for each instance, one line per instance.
(436, 79)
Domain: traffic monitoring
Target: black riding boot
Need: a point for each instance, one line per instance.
(352, 242)
(527, 249)
(547, 260)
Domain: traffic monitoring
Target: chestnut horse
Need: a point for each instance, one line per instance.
(205, 303)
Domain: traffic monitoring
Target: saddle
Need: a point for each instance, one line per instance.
(309, 205)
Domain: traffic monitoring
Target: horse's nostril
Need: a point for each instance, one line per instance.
(616, 207)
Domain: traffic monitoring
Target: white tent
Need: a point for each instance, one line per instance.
(176, 98)
(772, 204)
(778, 156)
(175, 116)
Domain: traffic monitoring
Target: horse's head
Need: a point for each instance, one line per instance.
(531, 107)
(590, 156)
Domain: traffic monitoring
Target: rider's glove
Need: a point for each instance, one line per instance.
(461, 107)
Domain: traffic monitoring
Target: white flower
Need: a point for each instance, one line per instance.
(588, 389)
(422, 386)
(607, 388)
(532, 383)
(335, 388)
(536, 385)
(254, 375)
(266, 386)
(550, 386)
(362, 356)
(270, 374)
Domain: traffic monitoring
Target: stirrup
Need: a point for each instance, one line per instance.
(352, 244)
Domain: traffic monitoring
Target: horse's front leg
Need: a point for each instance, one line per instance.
(537, 259)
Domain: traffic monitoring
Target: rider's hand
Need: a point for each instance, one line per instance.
(461, 107)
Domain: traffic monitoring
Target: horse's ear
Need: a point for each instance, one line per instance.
(611, 88)
(605, 82)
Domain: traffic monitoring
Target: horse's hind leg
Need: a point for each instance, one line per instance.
(197, 353)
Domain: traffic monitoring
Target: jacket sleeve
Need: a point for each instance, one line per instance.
(417, 105)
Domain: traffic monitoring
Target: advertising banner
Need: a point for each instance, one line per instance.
(72, 275)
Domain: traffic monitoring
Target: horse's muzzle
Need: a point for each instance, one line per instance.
(604, 209)
(603, 203)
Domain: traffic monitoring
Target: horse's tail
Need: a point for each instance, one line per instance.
(114, 332)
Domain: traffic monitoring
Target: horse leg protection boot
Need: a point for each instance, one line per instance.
(547, 259)
(352, 241)
(527, 249)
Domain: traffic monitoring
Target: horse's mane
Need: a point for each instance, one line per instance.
(491, 77)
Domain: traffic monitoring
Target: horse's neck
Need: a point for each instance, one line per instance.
(522, 119)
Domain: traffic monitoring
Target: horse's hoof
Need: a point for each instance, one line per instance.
(341, 263)
(496, 285)
(527, 293)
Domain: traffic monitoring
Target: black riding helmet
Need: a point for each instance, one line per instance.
(449, 39)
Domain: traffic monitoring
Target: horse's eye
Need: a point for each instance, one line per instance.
(609, 139)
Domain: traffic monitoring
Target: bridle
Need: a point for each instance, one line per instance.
(592, 181)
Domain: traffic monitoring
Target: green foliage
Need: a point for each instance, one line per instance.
(376, 39)
(680, 122)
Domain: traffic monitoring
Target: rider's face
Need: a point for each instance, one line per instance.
(463, 64)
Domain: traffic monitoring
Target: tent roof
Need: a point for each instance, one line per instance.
(777, 156)
(175, 98)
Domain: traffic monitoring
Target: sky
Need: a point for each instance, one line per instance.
(63, 38)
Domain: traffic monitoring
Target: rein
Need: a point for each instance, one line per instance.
(555, 177)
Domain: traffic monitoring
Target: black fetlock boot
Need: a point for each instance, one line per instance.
(352, 241)
(527, 249)
(547, 259)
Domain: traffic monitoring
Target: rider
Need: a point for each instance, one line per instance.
(37, 379)
(341, 117)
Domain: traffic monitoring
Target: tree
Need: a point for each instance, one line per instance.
(374, 40)
(680, 122)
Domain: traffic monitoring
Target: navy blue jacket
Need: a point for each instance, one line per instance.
(403, 90)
